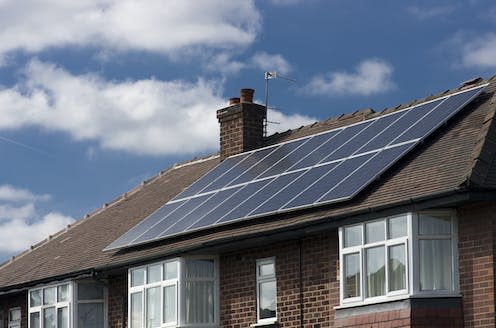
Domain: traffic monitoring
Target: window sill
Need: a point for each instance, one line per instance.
(398, 298)
(269, 324)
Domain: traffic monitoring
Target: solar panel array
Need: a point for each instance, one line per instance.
(319, 169)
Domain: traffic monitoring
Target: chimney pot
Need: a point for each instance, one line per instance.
(233, 101)
(246, 95)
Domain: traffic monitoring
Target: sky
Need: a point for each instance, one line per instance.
(99, 95)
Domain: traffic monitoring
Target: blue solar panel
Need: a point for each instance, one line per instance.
(315, 170)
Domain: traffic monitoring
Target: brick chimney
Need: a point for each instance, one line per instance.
(241, 125)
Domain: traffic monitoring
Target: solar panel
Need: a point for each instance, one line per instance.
(319, 169)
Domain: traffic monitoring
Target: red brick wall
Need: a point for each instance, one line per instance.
(390, 319)
(476, 226)
(320, 288)
(11, 301)
(117, 301)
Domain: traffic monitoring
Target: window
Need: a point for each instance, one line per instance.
(15, 318)
(49, 306)
(54, 306)
(398, 256)
(266, 290)
(178, 292)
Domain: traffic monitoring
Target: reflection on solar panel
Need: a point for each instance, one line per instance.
(319, 169)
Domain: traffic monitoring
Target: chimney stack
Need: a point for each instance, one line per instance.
(241, 124)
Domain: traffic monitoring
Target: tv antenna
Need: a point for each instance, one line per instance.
(269, 76)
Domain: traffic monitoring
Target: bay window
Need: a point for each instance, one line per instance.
(172, 293)
(399, 256)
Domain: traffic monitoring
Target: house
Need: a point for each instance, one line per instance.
(408, 242)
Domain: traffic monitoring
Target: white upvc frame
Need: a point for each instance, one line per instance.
(411, 242)
(104, 301)
(57, 305)
(179, 283)
(14, 323)
(263, 279)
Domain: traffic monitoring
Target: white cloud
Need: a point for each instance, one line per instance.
(157, 26)
(285, 2)
(480, 52)
(271, 62)
(150, 117)
(279, 122)
(224, 63)
(431, 12)
(371, 76)
(21, 221)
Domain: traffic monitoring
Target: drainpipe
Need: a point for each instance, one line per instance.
(300, 277)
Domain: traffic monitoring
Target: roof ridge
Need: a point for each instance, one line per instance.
(106, 205)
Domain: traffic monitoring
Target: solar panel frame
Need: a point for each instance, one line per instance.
(283, 210)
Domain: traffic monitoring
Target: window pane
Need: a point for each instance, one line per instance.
(199, 302)
(63, 293)
(435, 264)
(153, 307)
(34, 320)
(137, 277)
(397, 227)
(15, 315)
(170, 270)
(136, 310)
(170, 299)
(352, 236)
(199, 268)
(49, 295)
(351, 275)
(35, 298)
(90, 291)
(397, 268)
(435, 224)
(266, 269)
(375, 271)
(267, 303)
(374, 231)
(49, 320)
(153, 273)
(90, 315)
(63, 317)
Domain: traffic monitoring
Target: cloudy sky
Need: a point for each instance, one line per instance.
(98, 95)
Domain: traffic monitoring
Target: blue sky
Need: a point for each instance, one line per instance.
(98, 95)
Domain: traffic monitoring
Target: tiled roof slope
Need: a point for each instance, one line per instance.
(460, 154)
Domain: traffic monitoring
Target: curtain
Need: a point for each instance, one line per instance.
(397, 269)
(136, 310)
(351, 275)
(199, 302)
(435, 264)
(376, 278)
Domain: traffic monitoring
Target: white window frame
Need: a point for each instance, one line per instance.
(411, 242)
(57, 305)
(263, 279)
(104, 301)
(14, 323)
(179, 283)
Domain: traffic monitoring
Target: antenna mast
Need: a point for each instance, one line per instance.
(268, 76)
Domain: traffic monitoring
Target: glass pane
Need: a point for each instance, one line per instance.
(199, 302)
(136, 310)
(49, 295)
(170, 270)
(154, 273)
(351, 275)
(434, 224)
(266, 269)
(90, 291)
(137, 277)
(199, 268)
(435, 264)
(49, 320)
(153, 307)
(267, 300)
(35, 298)
(374, 231)
(397, 227)
(63, 317)
(397, 268)
(63, 293)
(34, 320)
(90, 315)
(15, 315)
(352, 236)
(170, 303)
(375, 274)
